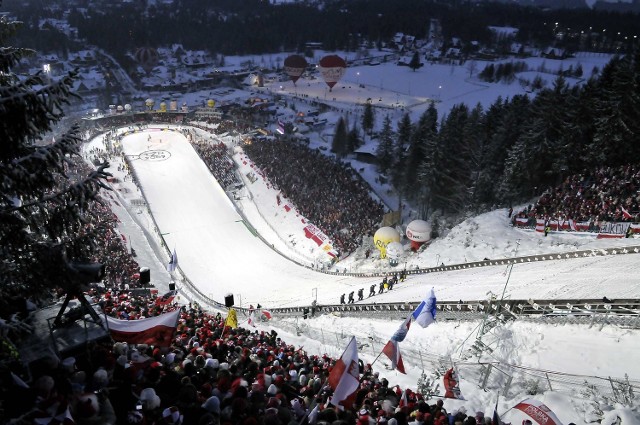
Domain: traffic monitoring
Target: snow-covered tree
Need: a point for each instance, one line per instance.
(384, 151)
(42, 199)
(419, 157)
(368, 118)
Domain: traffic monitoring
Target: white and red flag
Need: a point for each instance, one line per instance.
(166, 299)
(625, 213)
(344, 378)
(403, 399)
(157, 331)
(252, 318)
(392, 349)
(538, 412)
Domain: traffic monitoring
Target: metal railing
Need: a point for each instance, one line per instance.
(489, 374)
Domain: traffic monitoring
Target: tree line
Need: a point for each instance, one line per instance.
(476, 159)
(256, 27)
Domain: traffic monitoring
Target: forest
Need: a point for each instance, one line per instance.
(473, 160)
(230, 27)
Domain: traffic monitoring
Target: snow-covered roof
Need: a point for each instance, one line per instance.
(507, 31)
(553, 51)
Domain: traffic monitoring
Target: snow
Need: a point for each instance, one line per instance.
(219, 255)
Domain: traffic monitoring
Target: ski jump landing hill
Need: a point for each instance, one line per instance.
(219, 252)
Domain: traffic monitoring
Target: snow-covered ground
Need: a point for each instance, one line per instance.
(220, 255)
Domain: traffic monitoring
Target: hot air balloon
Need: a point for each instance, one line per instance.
(383, 237)
(394, 252)
(294, 66)
(332, 68)
(418, 232)
(147, 57)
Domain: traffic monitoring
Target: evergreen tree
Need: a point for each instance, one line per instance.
(339, 145)
(487, 74)
(353, 139)
(449, 189)
(368, 118)
(419, 175)
(503, 122)
(475, 139)
(617, 112)
(42, 202)
(402, 140)
(385, 151)
(414, 63)
(539, 157)
(581, 116)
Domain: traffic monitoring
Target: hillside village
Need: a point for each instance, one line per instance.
(168, 72)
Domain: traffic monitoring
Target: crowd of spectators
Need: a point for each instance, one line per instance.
(112, 250)
(211, 374)
(326, 191)
(221, 126)
(606, 194)
(217, 160)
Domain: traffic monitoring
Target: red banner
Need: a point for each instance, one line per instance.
(538, 412)
(603, 230)
(315, 234)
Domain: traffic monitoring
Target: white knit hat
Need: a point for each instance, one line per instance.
(273, 390)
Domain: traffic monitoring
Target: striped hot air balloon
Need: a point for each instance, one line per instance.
(332, 69)
(294, 66)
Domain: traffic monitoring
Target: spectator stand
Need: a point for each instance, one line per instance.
(604, 202)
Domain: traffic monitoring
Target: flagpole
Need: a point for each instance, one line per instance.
(374, 361)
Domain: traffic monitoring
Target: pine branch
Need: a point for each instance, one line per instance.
(80, 192)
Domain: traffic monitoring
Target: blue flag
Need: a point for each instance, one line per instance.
(173, 263)
(425, 313)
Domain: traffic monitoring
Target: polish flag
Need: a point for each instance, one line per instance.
(252, 318)
(157, 331)
(625, 213)
(538, 412)
(403, 399)
(344, 378)
(522, 221)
